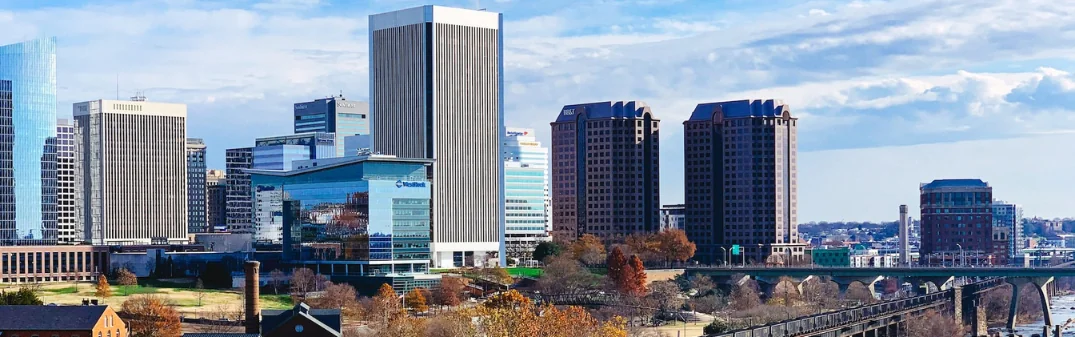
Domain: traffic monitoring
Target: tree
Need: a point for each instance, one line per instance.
(547, 249)
(565, 275)
(452, 324)
(666, 295)
(508, 300)
(340, 296)
(745, 296)
(820, 292)
(620, 272)
(385, 305)
(449, 290)
(416, 300)
(276, 280)
(934, 324)
(103, 289)
(588, 249)
(674, 245)
(708, 304)
(638, 282)
(858, 292)
(304, 281)
(643, 245)
(718, 326)
(201, 290)
(497, 274)
(24, 296)
(125, 278)
(150, 316)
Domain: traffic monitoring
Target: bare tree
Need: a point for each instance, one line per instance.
(745, 296)
(201, 291)
(276, 280)
(934, 324)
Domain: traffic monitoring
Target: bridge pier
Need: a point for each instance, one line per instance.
(1041, 286)
(869, 281)
(940, 283)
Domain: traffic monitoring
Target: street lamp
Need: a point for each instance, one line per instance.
(961, 259)
(723, 255)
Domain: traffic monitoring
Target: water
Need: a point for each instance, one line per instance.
(1062, 312)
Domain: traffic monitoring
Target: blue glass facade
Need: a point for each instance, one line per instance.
(28, 143)
(334, 114)
(353, 217)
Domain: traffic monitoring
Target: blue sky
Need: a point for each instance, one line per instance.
(889, 93)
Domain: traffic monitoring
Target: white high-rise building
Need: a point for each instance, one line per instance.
(1010, 216)
(134, 171)
(436, 91)
(68, 230)
(526, 193)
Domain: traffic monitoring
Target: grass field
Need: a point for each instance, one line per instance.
(524, 271)
(185, 300)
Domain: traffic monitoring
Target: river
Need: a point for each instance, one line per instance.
(1062, 311)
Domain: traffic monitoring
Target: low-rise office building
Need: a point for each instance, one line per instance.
(362, 220)
(30, 264)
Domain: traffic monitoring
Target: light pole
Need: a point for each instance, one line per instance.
(961, 259)
(723, 254)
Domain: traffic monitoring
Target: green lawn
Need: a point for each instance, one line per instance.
(523, 271)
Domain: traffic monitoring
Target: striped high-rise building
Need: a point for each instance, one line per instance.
(134, 170)
(239, 200)
(67, 197)
(436, 91)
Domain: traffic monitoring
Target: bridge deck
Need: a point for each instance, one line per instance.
(899, 271)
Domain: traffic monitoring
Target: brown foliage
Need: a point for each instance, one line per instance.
(385, 305)
(934, 324)
(785, 293)
(416, 300)
(451, 324)
(665, 294)
(551, 322)
(859, 292)
(620, 272)
(126, 278)
(150, 316)
(821, 293)
(305, 281)
(564, 275)
(103, 289)
(588, 249)
(449, 291)
(339, 296)
(496, 274)
(638, 282)
(508, 300)
(674, 245)
(745, 296)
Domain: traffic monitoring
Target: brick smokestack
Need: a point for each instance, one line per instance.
(253, 302)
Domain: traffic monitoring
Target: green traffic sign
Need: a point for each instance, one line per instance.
(735, 249)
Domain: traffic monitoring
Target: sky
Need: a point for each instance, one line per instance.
(889, 94)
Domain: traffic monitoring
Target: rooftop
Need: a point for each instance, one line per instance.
(326, 163)
(50, 317)
(740, 109)
(620, 109)
(943, 183)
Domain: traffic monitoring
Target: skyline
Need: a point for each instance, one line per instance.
(876, 85)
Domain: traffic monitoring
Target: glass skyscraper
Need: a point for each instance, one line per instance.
(526, 193)
(334, 114)
(361, 219)
(278, 153)
(28, 143)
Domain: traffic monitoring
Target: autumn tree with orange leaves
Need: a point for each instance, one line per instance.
(620, 273)
(638, 282)
(508, 300)
(588, 249)
(150, 316)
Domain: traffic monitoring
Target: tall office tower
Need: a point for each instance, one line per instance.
(1010, 216)
(28, 143)
(957, 220)
(605, 178)
(741, 182)
(277, 153)
(196, 186)
(240, 216)
(216, 200)
(333, 114)
(436, 90)
(526, 193)
(134, 171)
(67, 200)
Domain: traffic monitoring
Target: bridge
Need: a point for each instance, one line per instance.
(926, 280)
(885, 319)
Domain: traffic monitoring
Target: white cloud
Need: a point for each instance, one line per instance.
(817, 12)
(287, 5)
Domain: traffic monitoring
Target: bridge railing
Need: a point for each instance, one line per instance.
(832, 320)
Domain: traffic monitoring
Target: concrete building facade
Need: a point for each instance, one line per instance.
(673, 216)
(67, 199)
(605, 170)
(957, 220)
(335, 115)
(1010, 216)
(436, 91)
(526, 193)
(31, 264)
(216, 200)
(196, 186)
(134, 170)
(240, 214)
(278, 153)
(740, 170)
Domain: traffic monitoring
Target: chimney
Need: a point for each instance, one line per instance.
(253, 305)
(94, 302)
(905, 238)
